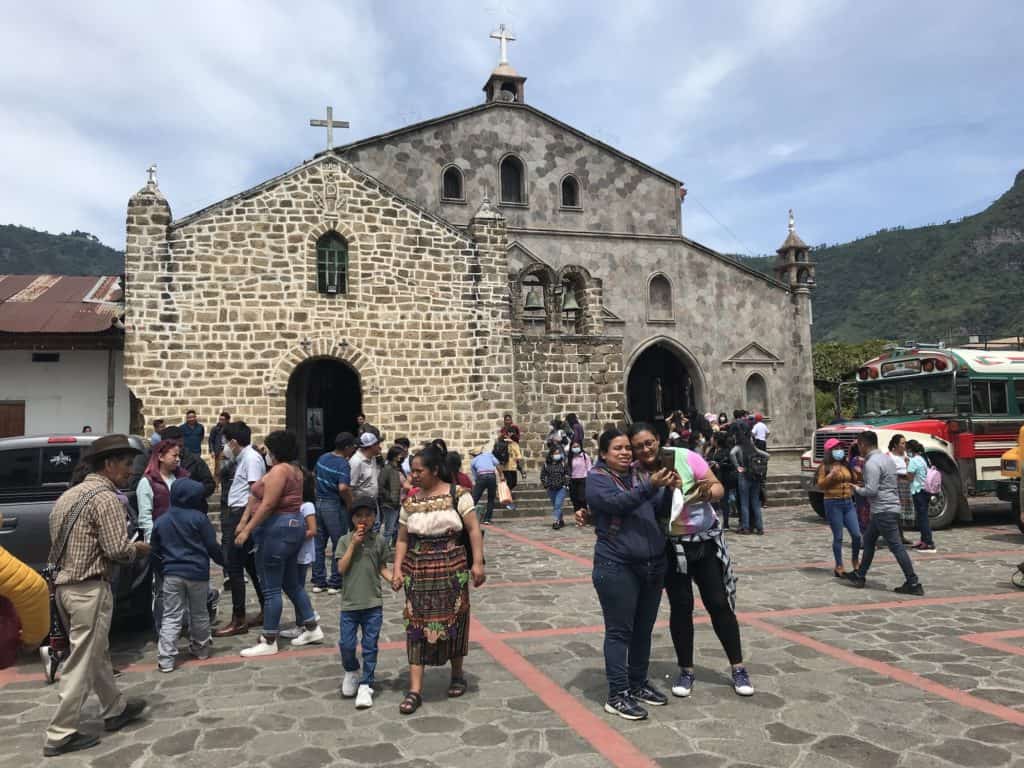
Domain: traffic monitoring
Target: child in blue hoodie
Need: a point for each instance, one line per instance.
(183, 542)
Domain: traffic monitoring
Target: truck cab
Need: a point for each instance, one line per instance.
(1008, 486)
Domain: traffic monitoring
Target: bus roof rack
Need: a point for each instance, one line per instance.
(1006, 344)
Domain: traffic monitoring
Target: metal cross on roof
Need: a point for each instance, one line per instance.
(330, 124)
(503, 34)
(152, 174)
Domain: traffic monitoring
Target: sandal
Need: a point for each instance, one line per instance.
(410, 703)
(457, 687)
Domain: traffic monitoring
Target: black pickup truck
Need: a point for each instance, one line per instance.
(34, 472)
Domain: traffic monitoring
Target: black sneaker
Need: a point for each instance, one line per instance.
(132, 710)
(856, 579)
(625, 707)
(648, 694)
(910, 589)
(72, 743)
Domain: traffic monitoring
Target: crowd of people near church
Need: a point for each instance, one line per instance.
(659, 498)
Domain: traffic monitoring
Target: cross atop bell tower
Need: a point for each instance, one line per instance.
(504, 84)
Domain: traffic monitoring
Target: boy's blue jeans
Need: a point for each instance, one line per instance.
(369, 620)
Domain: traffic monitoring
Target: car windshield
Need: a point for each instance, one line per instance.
(922, 396)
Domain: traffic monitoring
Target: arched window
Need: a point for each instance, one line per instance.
(659, 298)
(332, 264)
(451, 184)
(513, 180)
(570, 192)
(757, 394)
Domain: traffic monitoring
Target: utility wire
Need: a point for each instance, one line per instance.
(748, 251)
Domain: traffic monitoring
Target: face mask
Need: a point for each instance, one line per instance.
(227, 453)
(557, 457)
(838, 454)
(271, 461)
(577, 450)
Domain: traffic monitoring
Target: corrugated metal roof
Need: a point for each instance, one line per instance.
(58, 304)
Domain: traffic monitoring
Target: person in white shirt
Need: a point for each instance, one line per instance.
(249, 468)
(365, 481)
(760, 432)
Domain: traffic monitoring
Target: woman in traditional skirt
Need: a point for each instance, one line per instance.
(432, 564)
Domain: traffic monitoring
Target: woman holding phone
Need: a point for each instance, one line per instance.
(696, 552)
(629, 568)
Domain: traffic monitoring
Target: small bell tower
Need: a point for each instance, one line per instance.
(793, 265)
(504, 84)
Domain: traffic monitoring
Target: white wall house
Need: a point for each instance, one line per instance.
(61, 355)
(64, 390)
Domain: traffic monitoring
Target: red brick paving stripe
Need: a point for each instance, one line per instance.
(592, 728)
(907, 602)
(540, 545)
(11, 675)
(994, 640)
(959, 697)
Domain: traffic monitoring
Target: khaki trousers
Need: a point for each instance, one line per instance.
(87, 609)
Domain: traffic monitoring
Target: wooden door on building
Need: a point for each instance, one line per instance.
(12, 419)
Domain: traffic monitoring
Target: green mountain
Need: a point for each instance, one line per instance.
(944, 281)
(26, 251)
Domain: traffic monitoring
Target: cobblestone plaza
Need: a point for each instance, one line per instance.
(844, 677)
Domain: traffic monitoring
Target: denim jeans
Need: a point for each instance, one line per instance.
(331, 523)
(841, 513)
(630, 595)
(389, 523)
(280, 539)
(749, 491)
(369, 620)
(924, 524)
(488, 483)
(886, 525)
(557, 496)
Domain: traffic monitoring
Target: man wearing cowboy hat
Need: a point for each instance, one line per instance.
(96, 538)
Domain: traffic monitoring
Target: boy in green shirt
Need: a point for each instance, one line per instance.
(363, 564)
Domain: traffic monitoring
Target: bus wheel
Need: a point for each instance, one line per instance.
(817, 501)
(943, 506)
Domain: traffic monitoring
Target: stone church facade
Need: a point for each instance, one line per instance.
(442, 274)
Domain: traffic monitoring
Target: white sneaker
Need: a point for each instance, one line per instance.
(334, 590)
(308, 636)
(262, 648)
(349, 684)
(318, 590)
(364, 698)
(291, 633)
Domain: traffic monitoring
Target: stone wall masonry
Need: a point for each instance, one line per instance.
(556, 375)
(223, 306)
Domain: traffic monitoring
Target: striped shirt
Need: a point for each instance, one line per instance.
(99, 536)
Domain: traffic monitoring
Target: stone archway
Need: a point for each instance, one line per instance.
(662, 377)
(324, 397)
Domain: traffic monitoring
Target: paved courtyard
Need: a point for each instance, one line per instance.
(844, 677)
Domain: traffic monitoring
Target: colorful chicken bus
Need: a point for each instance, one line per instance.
(964, 405)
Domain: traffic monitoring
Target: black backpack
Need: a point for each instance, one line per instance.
(500, 452)
(757, 465)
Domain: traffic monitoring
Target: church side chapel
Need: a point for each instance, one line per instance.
(437, 276)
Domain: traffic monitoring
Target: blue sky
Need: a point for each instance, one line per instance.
(859, 115)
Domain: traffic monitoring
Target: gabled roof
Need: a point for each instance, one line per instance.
(349, 168)
(498, 105)
(59, 304)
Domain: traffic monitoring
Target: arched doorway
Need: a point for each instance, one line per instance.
(324, 398)
(660, 381)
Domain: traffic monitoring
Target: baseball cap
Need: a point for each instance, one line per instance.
(831, 443)
(368, 440)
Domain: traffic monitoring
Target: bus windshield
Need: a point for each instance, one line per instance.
(914, 396)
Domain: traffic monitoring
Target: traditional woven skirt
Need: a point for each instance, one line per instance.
(906, 503)
(436, 600)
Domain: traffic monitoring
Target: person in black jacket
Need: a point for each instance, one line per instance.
(721, 464)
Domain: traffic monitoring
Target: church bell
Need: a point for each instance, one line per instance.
(534, 299)
(569, 303)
